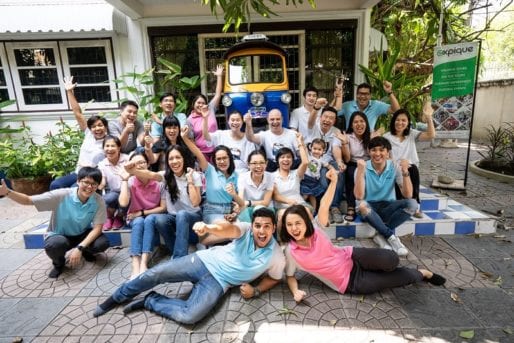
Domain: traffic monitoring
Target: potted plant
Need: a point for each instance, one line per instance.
(30, 166)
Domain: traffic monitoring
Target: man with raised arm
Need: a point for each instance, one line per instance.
(372, 108)
(273, 139)
(375, 193)
(252, 253)
(78, 215)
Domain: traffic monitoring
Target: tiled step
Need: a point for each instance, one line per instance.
(441, 216)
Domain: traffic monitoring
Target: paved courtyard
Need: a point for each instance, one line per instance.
(478, 298)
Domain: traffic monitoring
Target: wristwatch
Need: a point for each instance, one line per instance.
(256, 291)
(80, 247)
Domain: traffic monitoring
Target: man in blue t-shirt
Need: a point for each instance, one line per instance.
(375, 192)
(372, 108)
(78, 215)
(253, 252)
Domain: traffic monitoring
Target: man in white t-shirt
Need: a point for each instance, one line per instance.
(273, 139)
(300, 116)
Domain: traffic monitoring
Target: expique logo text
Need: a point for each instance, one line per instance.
(455, 51)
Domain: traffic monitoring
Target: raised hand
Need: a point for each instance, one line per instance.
(184, 131)
(247, 118)
(219, 70)
(388, 86)
(331, 174)
(205, 111)
(200, 228)
(68, 83)
(361, 165)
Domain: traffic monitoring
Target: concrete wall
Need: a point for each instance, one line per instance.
(494, 104)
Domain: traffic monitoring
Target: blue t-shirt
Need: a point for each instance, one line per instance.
(216, 182)
(239, 261)
(156, 130)
(374, 110)
(381, 187)
(70, 217)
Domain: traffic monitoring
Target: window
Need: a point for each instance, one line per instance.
(38, 69)
(6, 90)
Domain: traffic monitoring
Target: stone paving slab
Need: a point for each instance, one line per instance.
(11, 259)
(27, 317)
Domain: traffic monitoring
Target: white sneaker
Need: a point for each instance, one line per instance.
(398, 246)
(381, 242)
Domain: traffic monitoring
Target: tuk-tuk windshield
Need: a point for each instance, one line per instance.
(265, 68)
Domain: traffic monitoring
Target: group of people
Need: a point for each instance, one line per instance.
(239, 193)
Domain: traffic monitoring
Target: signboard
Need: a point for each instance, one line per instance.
(453, 88)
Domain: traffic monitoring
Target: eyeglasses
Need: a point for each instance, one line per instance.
(141, 163)
(257, 163)
(88, 184)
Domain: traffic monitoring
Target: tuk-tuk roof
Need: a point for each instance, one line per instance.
(254, 44)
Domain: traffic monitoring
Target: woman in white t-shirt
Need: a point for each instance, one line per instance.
(182, 187)
(233, 138)
(287, 181)
(255, 186)
(403, 142)
(95, 129)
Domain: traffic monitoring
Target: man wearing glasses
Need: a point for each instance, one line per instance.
(78, 215)
(372, 108)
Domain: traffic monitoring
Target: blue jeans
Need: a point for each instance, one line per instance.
(205, 294)
(141, 238)
(385, 216)
(213, 212)
(111, 199)
(65, 181)
(175, 229)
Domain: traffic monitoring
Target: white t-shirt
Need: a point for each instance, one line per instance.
(357, 151)
(299, 120)
(109, 172)
(405, 150)
(251, 190)
(272, 143)
(183, 202)
(91, 151)
(330, 138)
(288, 187)
(314, 166)
(240, 148)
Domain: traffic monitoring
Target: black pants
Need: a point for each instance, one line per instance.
(376, 269)
(414, 178)
(349, 180)
(56, 246)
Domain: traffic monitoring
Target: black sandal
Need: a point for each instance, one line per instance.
(350, 214)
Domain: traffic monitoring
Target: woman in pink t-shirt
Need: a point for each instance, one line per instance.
(145, 198)
(195, 119)
(344, 269)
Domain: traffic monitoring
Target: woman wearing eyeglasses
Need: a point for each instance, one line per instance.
(255, 186)
(233, 138)
(144, 198)
(221, 181)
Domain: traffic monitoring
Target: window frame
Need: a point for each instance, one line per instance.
(63, 70)
(109, 64)
(8, 80)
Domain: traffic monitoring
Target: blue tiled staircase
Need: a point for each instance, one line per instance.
(441, 216)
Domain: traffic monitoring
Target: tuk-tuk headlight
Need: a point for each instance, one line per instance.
(257, 99)
(285, 98)
(226, 101)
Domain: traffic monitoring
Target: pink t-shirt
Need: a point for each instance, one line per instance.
(330, 264)
(144, 197)
(195, 120)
